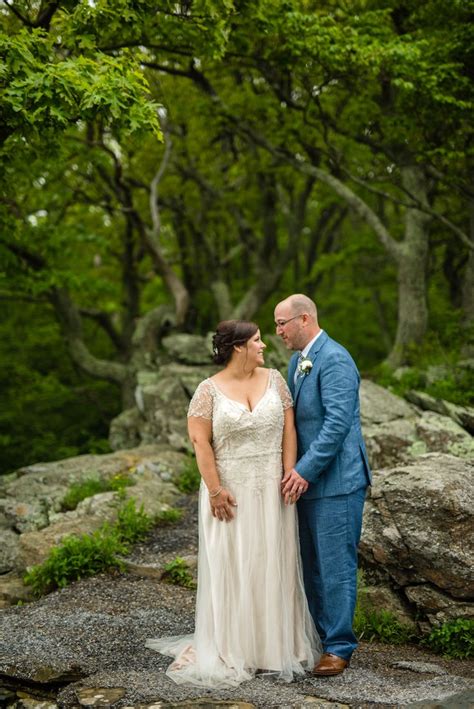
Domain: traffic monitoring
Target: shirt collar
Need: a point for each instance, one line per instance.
(305, 351)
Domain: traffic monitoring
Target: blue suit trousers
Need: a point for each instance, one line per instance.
(330, 529)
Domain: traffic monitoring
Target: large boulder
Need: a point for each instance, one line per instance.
(396, 431)
(162, 399)
(417, 527)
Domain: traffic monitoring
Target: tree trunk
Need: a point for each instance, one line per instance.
(468, 293)
(411, 258)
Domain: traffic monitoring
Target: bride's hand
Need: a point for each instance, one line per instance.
(222, 504)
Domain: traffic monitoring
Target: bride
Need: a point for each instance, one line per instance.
(251, 610)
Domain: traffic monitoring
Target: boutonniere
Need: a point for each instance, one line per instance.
(305, 366)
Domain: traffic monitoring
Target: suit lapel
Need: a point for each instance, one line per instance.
(312, 354)
(291, 373)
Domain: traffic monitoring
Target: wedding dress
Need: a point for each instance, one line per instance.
(251, 611)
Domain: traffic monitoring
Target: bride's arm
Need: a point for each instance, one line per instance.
(288, 444)
(220, 499)
(289, 453)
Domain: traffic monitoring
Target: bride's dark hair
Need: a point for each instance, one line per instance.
(228, 334)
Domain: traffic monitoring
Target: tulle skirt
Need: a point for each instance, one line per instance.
(251, 610)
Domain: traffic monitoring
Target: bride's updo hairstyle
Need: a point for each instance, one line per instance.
(230, 333)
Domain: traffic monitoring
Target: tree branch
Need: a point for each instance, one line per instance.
(71, 326)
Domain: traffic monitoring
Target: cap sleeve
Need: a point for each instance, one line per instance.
(201, 404)
(282, 388)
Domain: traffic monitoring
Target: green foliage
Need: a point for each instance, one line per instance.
(81, 556)
(372, 625)
(454, 383)
(50, 410)
(453, 639)
(169, 517)
(189, 479)
(76, 558)
(177, 572)
(93, 486)
(132, 525)
(376, 624)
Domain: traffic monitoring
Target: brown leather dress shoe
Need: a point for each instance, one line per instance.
(330, 665)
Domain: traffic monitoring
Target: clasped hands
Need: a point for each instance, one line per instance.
(293, 486)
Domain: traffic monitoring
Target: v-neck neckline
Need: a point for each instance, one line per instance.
(239, 403)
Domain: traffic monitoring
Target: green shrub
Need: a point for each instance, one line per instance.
(453, 639)
(177, 573)
(168, 517)
(93, 486)
(189, 479)
(372, 625)
(75, 558)
(80, 556)
(132, 525)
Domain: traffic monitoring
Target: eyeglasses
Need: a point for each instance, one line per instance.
(282, 323)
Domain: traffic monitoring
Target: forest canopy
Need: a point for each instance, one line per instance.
(166, 165)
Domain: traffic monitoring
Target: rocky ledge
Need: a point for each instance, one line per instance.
(84, 646)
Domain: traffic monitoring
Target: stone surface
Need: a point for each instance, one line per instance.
(92, 634)
(99, 696)
(190, 349)
(418, 529)
(12, 590)
(383, 598)
(162, 398)
(32, 501)
(378, 405)
(437, 606)
(420, 667)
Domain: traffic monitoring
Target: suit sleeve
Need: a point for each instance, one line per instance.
(339, 382)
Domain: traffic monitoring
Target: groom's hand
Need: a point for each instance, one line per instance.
(293, 486)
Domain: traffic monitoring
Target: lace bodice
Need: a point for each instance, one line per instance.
(247, 444)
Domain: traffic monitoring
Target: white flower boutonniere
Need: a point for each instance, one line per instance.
(305, 366)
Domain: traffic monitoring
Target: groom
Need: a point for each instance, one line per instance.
(331, 475)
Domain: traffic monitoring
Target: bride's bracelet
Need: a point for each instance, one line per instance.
(216, 492)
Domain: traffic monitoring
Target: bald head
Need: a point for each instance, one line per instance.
(300, 303)
(296, 320)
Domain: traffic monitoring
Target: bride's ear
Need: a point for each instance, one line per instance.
(237, 348)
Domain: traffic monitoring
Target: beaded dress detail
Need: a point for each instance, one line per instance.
(251, 611)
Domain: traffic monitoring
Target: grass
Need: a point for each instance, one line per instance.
(93, 486)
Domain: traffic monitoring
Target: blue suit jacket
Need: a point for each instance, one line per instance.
(331, 450)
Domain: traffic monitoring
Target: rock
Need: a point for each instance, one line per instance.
(462, 415)
(437, 606)
(13, 590)
(34, 547)
(442, 434)
(99, 696)
(162, 399)
(417, 521)
(32, 502)
(378, 405)
(190, 349)
(28, 701)
(420, 667)
(382, 597)
(8, 550)
(396, 432)
(124, 431)
(392, 442)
